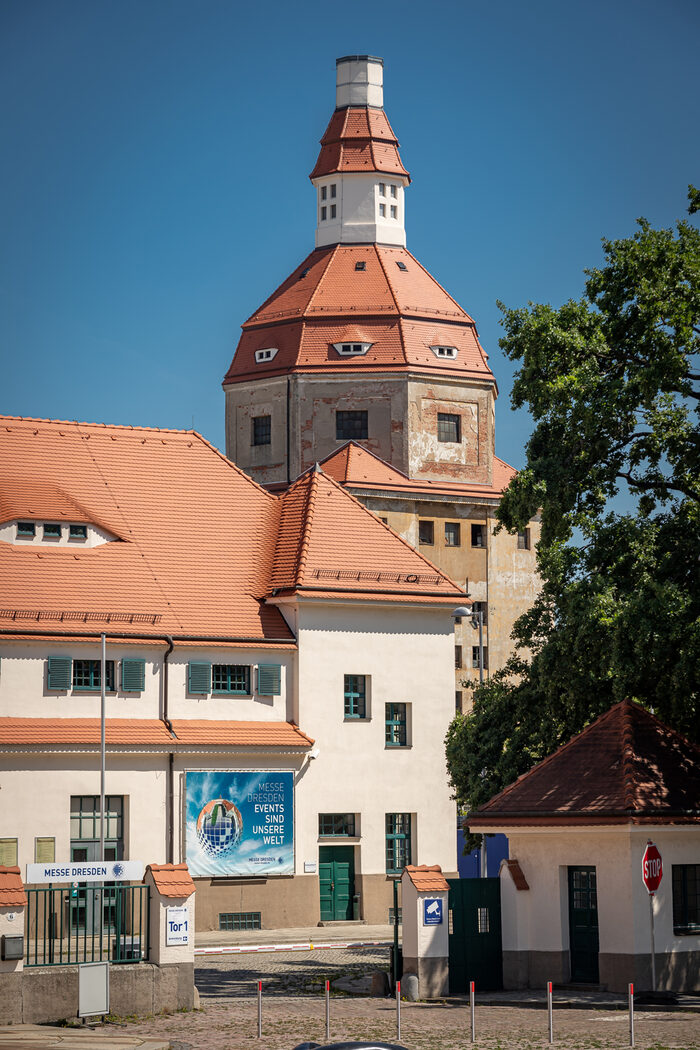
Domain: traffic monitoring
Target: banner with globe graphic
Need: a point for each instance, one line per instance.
(240, 822)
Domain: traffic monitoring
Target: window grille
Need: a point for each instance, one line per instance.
(336, 824)
(351, 425)
(355, 696)
(87, 675)
(448, 427)
(230, 678)
(395, 725)
(398, 842)
(262, 430)
(240, 920)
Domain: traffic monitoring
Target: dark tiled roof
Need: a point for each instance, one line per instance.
(626, 767)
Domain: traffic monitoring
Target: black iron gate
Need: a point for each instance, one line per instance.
(475, 934)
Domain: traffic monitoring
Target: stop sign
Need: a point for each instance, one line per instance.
(652, 868)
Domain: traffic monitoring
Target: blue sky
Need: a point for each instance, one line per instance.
(154, 183)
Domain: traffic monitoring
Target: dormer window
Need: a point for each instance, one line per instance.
(265, 355)
(352, 349)
(444, 351)
(77, 532)
(52, 531)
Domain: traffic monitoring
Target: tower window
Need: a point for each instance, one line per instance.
(351, 425)
(444, 351)
(394, 212)
(382, 210)
(448, 427)
(333, 190)
(324, 193)
(382, 189)
(269, 352)
(324, 212)
(393, 192)
(524, 540)
(333, 210)
(262, 430)
(478, 535)
(452, 534)
(351, 349)
(426, 532)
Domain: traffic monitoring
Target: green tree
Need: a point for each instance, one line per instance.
(612, 382)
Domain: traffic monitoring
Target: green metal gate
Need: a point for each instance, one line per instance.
(475, 934)
(336, 871)
(87, 923)
(583, 925)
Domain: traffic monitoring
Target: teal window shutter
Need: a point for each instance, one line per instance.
(133, 676)
(59, 676)
(269, 679)
(199, 677)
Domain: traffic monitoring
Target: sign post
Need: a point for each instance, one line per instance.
(652, 873)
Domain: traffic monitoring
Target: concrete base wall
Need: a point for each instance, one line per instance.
(533, 969)
(433, 976)
(675, 971)
(45, 994)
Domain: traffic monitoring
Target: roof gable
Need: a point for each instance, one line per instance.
(627, 766)
(329, 542)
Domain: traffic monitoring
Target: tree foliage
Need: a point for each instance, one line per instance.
(613, 384)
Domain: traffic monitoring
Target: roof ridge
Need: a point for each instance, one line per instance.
(627, 750)
(433, 568)
(99, 426)
(442, 289)
(312, 486)
(307, 308)
(368, 451)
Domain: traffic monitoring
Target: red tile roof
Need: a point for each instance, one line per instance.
(197, 535)
(427, 879)
(146, 732)
(359, 138)
(356, 467)
(241, 734)
(172, 880)
(626, 767)
(12, 893)
(316, 554)
(39, 500)
(326, 300)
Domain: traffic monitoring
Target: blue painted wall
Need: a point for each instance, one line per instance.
(469, 866)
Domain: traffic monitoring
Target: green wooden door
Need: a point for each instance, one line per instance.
(336, 872)
(583, 925)
(474, 912)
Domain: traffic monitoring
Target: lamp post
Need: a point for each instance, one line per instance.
(476, 618)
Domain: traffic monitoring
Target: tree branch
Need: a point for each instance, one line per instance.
(666, 486)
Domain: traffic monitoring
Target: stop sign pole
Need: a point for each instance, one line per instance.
(652, 872)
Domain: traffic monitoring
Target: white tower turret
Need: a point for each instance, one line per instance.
(359, 177)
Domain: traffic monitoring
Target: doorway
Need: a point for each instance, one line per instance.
(583, 925)
(336, 874)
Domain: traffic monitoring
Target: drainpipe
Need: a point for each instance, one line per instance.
(170, 815)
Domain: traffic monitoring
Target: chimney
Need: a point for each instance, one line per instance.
(359, 81)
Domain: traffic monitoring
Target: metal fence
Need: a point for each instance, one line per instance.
(102, 923)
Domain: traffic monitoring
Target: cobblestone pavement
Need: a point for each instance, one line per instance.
(294, 1011)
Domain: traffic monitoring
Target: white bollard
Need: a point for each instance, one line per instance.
(549, 1011)
(398, 1010)
(631, 1009)
(259, 1009)
(471, 1007)
(328, 1010)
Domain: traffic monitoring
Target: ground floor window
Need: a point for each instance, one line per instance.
(336, 824)
(240, 920)
(85, 817)
(398, 842)
(686, 898)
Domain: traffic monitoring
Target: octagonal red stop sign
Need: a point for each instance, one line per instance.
(652, 868)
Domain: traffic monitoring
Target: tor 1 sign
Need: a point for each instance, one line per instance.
(177, 922)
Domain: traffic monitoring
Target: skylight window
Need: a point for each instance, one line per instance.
(352, 349)
(401, 265)
(444, 351)
(305, 272)
(360, 264)
(265, 355)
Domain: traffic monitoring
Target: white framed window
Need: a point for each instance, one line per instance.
(351, 349)
(265, 355)
(333, 211)
(382, 189)
(324, 212)
(324, 192)
(444, 351)
(393, 192)
(382, 210)
(333, 189)
(394, 211)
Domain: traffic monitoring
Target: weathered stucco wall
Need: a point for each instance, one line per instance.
(470, 459)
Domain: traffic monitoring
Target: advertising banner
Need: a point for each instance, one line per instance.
(240, 822)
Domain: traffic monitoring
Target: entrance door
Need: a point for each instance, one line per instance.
(336, 872)
(583, 925)
(475, 934)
